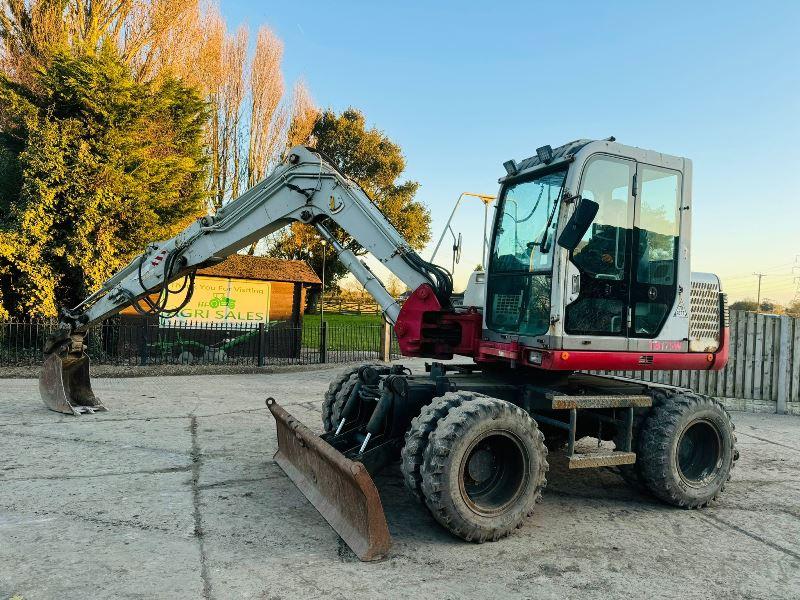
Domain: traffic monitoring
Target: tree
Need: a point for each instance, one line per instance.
(249, 118)
(267, 135)
(793, 308)
(304, 116)
(747, 305)
(94, 165)
(147, 34)
(395, 287)
(376, 163)
(768, 306)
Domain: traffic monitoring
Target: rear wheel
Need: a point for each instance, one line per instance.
(687, 449)
(484, 469)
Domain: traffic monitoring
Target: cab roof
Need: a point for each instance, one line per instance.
(566, 152)
(559, 154)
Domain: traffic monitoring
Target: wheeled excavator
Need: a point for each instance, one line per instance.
(588, 271)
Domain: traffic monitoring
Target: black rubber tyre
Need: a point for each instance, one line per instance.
(687, 448)
(337, 394)
(417, 437)
(484, 469)
(330, 397)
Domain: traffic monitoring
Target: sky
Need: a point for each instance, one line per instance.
(464, 86)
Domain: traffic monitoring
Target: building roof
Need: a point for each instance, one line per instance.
(262, 268)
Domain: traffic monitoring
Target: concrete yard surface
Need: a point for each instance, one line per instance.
(173, 493)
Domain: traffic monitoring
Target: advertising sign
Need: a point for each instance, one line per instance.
(215, 300)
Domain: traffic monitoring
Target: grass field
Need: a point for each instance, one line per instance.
(336, 319)
(345, 332)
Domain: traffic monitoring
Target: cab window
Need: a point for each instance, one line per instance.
(521, 266)
(601, 252)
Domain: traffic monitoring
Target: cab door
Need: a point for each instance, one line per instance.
(598, 281)
(654, 252)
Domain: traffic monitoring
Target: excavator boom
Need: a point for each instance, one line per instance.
(304, 188)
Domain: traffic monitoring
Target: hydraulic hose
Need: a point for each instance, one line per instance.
(160, 306)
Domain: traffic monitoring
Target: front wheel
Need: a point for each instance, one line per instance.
(337, 395)
(484, 469)
(687, 449)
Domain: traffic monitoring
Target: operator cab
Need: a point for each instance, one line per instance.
(621, 284)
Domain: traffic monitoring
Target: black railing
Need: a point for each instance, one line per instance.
(134, 341)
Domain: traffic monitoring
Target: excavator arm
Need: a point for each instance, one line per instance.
(304, 188)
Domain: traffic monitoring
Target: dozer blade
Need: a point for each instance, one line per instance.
(64, 385)
(340, 489)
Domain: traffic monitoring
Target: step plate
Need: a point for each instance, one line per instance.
(600, 459)
(563, 402)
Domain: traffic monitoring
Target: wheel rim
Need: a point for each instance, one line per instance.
(494, 472)
(699, 453)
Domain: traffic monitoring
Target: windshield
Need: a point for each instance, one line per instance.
(526, 208)
(521, 265)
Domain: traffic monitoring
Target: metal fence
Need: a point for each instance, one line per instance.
(763, 370)
(132, 341)
(350, 306)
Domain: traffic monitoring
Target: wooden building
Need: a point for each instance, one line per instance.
(247, 290)
(288, 281)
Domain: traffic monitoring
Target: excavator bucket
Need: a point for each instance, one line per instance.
(340, 489)
(65, 387)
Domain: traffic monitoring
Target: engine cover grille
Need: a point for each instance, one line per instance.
(704, 320)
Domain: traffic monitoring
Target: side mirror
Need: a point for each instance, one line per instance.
(457, 249)
(578, 224)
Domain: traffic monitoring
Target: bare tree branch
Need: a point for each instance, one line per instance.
(304, 115)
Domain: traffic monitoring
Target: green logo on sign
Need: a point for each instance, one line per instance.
(222, 300)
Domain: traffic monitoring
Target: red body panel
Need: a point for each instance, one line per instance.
(408, 328)
(593, 360)
(424, 329)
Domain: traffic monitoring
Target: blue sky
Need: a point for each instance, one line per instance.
(463, 86)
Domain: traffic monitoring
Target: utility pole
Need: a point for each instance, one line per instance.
(796, 277)
(758, 298)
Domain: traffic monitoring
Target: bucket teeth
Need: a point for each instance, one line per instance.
(340, 489)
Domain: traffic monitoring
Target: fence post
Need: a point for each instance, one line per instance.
(784, 363)
(143, 344)
(261, 344)
(385, 353)
(323, 342)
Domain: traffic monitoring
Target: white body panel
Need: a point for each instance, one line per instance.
(475, 292)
